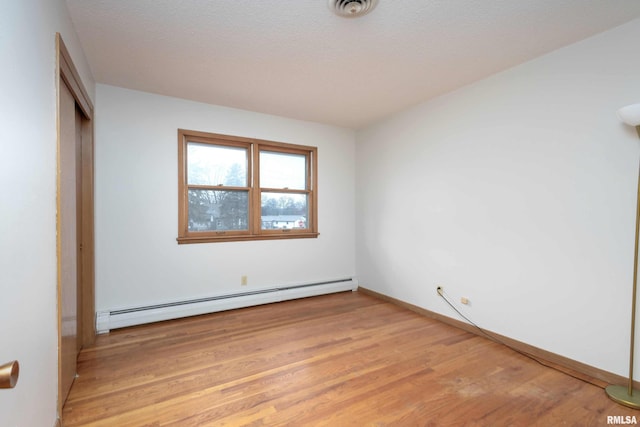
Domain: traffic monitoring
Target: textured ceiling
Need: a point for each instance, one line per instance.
(298, 59)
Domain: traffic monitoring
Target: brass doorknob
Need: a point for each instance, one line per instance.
(9, 374)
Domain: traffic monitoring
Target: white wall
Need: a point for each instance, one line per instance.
(517, 192)
(138, 261)
(28, 316)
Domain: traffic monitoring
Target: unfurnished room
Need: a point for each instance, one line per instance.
(319, 213)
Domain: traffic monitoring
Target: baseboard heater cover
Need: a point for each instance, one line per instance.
(121, 318)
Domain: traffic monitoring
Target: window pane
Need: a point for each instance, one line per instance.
(214, 165)
(217, 210)
(278, 170)
(284, 211)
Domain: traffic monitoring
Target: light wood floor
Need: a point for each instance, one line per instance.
(346, 359)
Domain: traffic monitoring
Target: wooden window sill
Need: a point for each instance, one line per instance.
(247, 237)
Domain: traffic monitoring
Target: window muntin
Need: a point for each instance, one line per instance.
(233, 188)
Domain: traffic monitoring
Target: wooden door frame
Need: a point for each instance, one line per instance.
(66, 72)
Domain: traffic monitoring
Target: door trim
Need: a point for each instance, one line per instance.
(67, 73)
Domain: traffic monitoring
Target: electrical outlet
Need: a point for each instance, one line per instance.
(464, 300)
(243, 280)
(439, 290)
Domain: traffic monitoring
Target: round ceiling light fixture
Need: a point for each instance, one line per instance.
(352, 8)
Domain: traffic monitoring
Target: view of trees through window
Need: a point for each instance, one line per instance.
(228, 209)
(218, 210)
(239, 187)
(283, 171)
(210, 165)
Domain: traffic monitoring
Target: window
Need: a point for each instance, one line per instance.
(233, 188)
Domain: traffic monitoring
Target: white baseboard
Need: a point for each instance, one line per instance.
(120, 318)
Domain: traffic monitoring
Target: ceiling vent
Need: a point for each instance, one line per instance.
(352, 8)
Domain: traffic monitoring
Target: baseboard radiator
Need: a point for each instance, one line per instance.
(114, 319)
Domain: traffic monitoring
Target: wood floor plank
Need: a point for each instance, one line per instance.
(336, 360)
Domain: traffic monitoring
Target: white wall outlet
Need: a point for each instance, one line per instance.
(243, 280)
(464, 301)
